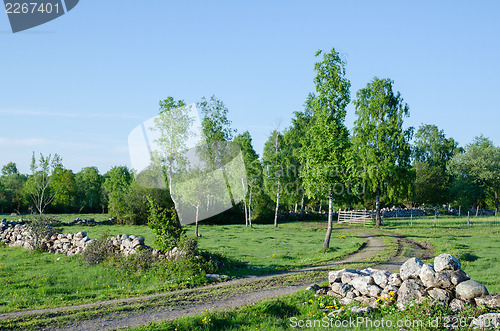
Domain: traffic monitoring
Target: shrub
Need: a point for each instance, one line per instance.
(140, 261)
(98, 250)
(40, 229)
(165, 225)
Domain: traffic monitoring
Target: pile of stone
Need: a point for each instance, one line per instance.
(67, 243)
(443, 282)
(127, 245)
(90, 222)
(18, 234)
(399, 212)
(6, 223)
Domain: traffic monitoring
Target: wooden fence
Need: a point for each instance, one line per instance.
(355, 217)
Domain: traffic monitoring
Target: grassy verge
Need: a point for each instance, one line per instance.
(305, 311)
(477, 246)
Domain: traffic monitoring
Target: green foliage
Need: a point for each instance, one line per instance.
(141, 261)
(89, 189)
(478, 168)
(116, 183)
(215, 124)
(431, 184)
(165, 225)
(432, 154)
(12, 189)
(326, 140)
(273, 162)
(324, 152)
(380, 142)
(254, 172)
(433, 148)
(63, 183)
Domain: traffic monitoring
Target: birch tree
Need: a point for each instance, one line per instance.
(39, 183)
(326, 142)
(381, 142)
(273, 168)
(253, 171)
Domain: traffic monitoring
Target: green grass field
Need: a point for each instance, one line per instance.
(476, 246)
(37, 280)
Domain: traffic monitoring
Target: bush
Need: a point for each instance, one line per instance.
(165, 225)
(98, 250)
(140, 261)
(40, 229)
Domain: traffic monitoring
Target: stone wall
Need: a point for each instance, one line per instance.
(443, 282)
(18, 234)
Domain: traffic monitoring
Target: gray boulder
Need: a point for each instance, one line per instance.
(374, 291)
(336, 275)
(361, 284)
(446, 262)
(443, 280)
(361, 310)
(491, 301)
(348, 276)
(381, 278)
(313, 287)
(411, 269)
(457, 305)
(345, 289)
(458, 276)
(427, 274)
(346, 301)
(335, 287)
(412, 290)
(440, 295)
(395, 280)
(470, 289)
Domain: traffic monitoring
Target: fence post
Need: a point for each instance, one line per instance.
(411, 217)
(468, 217)
(435, 216)
(459, 211)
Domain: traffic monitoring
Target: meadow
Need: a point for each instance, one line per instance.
(39, 280)
(476, 243)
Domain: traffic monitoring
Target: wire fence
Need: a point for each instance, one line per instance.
(447, 221)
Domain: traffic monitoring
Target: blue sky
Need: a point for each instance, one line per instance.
(78, 85)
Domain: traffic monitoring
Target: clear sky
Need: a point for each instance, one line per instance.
(78, 85)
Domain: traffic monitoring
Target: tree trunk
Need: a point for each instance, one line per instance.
(378, 220)
(196, 221)
(277, 205)
(250, 208)
(496, 200)
(295, 209)
(302, 207)
(246, 212)
(245, 202)
(326, 244)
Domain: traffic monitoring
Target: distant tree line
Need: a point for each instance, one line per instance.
(315, 164)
